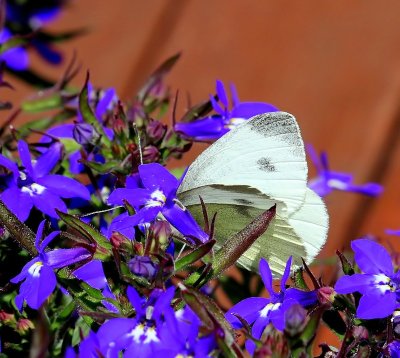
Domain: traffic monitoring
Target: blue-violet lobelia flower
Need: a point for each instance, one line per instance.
(16, 57)
(35, 186)
(139, 336)
(379, 284)
(38, 275)
(328, 180)
(105, 102)
(214, 126)
(23, 18)
(261, 311)
(157, 197)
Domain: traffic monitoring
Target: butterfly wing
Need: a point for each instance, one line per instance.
(265, 153)
(256, 165)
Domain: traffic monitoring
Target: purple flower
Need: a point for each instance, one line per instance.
(262, 311)
(139, 336)
(35, 186)
(379, 285)
(328, 180)
(157, 197)
(40, 279)
(15, 58)
(184, 341)
(213, 127)
(105, 103)
(24, 18)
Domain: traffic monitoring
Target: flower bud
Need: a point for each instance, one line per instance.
(143, 266)
(295, 318)
(150, 154)
(156, 130)
(119, 241)
(85, 134)
(119, 125)
(6, 317)
(24, 325)
(160, 232)
(326, 295)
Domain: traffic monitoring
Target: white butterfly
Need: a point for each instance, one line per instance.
(258, 164)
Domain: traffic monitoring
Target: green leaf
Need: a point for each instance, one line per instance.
(298, 279)
(15, 41)
(194, 255)
(43, 104)
(104, 247)
(105, 168)
(88, 115)
(234, 247)
(346, 265)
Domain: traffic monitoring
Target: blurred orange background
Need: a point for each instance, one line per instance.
(334, 64)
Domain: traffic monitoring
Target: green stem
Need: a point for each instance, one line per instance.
(18, 230)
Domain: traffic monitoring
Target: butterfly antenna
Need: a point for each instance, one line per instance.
(181, 251)
(139, 142)
(205, 216)
(101, 211)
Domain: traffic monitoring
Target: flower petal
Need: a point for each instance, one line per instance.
(47, 202)
(18, 202)
(249, 309)
(373, 306)
(155, 176)
(25, 157)
(184, 222)
(135, 300)
(36, 288)
(22, 275)
(286, 273)
(59, 258)
(266, 276)
(64, 187)
(10, 165)
(362, 283)
(221, 93)
(250, 109)
(145, 215)
(92, 273)
(48, 160)
(372, 257)
(205, 129)
(136, 197)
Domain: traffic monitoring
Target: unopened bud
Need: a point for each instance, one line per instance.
(160, 232)
(326, 295)
(119, 241)
(143, 266)
(24, 325)
(151, 154)
(6, 317)
(295, 318)
(156, 130)
(119, 125)
(85, 134)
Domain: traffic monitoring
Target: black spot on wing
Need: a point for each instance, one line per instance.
(265, 164)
